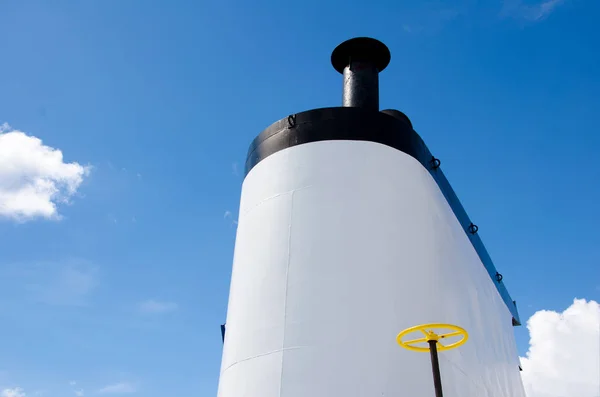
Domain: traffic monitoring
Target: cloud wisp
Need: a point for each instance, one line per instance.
(34, 178)
(13, 392)
(564, 352)
(152, 306)
(118, 388)
(531, 12)
(78, 392)
(68, 283)
(228, 216)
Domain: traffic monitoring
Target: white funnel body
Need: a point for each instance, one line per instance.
(342, 244)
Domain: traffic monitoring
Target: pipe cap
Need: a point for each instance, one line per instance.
(360, 49)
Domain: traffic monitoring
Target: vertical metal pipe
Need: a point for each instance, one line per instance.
(361, 60)
(435, 367)
(361, 85)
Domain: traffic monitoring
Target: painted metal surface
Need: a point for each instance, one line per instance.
(340, 245)
(359, 124)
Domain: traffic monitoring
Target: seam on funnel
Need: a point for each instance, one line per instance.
(287, 280)
(261, 202)
(261, 355)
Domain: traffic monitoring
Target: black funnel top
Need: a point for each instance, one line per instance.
(363, 49)
(360, 60)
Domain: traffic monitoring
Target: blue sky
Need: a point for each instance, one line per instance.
(123, 288)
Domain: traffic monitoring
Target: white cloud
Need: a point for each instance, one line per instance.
(118, 388)
(15, 392)
(33, 177)
(564, 353)
(79, 393)
(72, 383)
(156, 307)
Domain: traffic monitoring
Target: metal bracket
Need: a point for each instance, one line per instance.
(473, 229)
(291, 121)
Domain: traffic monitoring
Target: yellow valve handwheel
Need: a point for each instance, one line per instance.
(427, 330)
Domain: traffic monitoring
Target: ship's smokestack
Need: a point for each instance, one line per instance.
(307, 241)
(360, 60)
